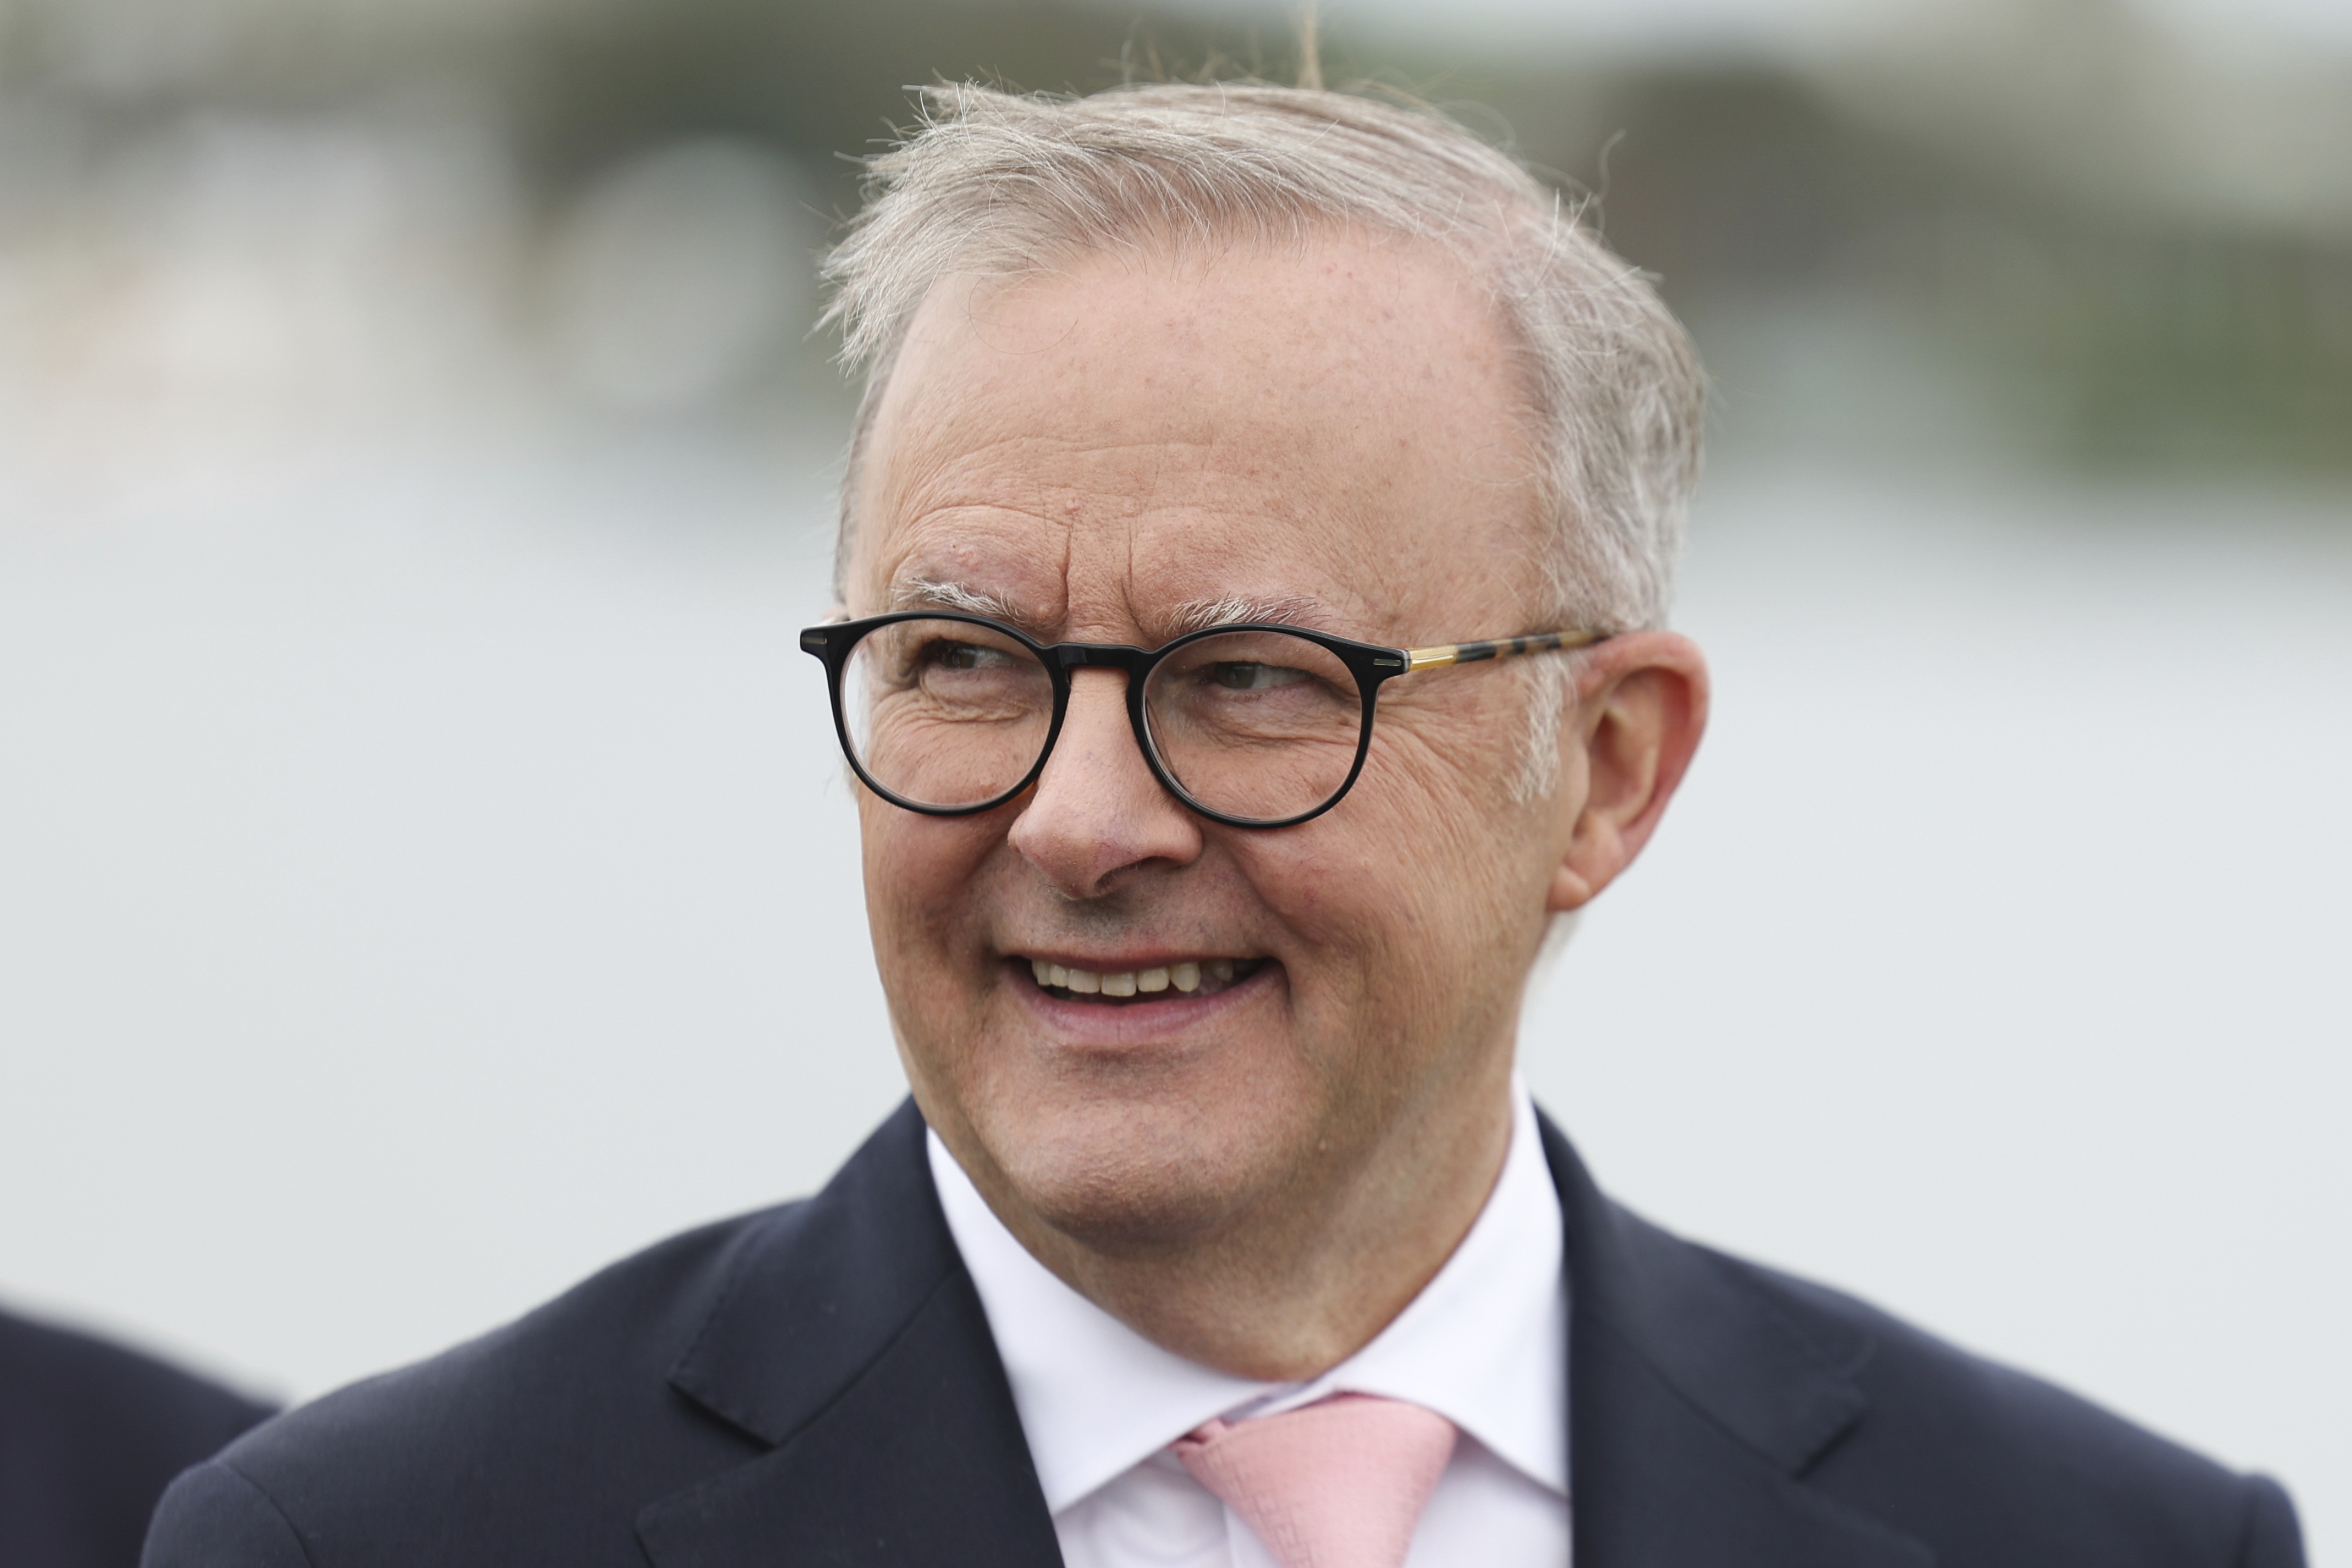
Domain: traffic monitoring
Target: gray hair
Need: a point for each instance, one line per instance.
(1004, 184)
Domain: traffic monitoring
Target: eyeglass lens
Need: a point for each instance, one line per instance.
(1260, 726)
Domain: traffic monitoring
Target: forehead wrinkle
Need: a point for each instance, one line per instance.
(940, 469)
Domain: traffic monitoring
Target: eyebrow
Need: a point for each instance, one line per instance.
(1200, 614)
(932, 593)
(1193, 615)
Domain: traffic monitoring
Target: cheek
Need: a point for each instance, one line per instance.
(919, 875)
(1428, 874)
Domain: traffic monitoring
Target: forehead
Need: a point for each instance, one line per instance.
(1337, 425)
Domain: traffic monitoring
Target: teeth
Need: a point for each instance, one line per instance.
(1185, 976)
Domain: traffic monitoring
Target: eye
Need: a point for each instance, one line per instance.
(1235, 676)
(943, 654)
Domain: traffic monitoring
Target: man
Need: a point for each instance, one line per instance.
(1217, 441)
(90, 1434)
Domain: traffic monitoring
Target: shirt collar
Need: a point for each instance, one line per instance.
(1485, 1344)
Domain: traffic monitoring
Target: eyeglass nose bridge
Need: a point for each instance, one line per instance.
(1104, 655)
(1137, 664)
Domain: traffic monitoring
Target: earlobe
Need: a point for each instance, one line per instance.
(1640, 709)
(1570, 890)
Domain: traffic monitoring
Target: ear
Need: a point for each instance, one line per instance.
(1640, 708)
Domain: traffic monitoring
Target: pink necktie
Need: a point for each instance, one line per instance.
(1340, 1483)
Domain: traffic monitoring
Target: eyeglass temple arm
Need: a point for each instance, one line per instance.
(1506, 648)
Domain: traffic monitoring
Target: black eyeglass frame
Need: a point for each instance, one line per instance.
(1368, 662)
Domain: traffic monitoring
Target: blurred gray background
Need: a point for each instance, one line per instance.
(414, 464)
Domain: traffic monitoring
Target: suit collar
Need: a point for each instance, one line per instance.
(848, 1335)
(1696, 1406)
(1483, 1345)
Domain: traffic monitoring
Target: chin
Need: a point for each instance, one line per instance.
(1123, 1177)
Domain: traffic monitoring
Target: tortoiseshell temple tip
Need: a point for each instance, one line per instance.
(1506, 648)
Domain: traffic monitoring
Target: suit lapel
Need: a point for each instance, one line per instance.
(850, 1338)
(1695, 1406)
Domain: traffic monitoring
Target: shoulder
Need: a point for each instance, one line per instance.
(1806, 1414)
(1994, 1465)
(546, 1435)
(92, 1432)
(73, 1383)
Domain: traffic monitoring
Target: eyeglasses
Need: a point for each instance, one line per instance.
(1253, 726)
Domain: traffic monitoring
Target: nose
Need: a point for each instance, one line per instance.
(1097, 810)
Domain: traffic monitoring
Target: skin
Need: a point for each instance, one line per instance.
(1261, 1180)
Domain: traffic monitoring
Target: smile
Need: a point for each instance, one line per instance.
(1198, 978)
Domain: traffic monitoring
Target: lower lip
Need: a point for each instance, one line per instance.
(1136, 1022)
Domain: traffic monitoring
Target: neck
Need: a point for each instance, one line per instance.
(1290, 1289)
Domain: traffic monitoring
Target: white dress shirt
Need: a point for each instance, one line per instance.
(1485, 1344)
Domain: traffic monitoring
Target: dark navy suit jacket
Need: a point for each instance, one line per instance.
(816, 1385)
(90, 1434)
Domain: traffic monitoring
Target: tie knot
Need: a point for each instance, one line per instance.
(1340, 1483)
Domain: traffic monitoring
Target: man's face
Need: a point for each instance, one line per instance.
(1332, 432)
